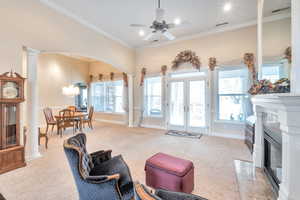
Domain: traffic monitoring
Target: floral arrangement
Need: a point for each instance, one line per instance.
(112, 75)
(249, 61)
(164, 69)
(288, 54)
(125, 79)
(143, 74)
(212, 63)
(100, 77)
(186, 56)
(266, 87)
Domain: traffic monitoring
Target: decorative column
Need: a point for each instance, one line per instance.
(130, 101)
(212, 63)
(32, 105)
(290, 127)
(260, 15)
(164, 101)
(125, 97)
(258, 151)
(295, 70)
(143, 74)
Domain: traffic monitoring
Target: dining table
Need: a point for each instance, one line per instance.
(76, 115)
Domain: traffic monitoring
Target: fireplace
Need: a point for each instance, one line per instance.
(273, 155)
(277, 141)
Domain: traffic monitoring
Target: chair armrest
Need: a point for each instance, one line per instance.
(102, 179)
(164, 194)
(99, 157)
(106, 187)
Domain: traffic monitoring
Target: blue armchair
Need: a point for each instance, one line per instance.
(98, 176)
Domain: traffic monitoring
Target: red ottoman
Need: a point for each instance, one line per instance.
(168, 172)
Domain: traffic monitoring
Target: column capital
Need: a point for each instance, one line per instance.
(31, 51)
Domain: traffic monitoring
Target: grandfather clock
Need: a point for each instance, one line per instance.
(11, 95)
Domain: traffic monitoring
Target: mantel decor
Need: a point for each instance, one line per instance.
(267, 87)
(186, 56)
(11, 96)
(212, 63)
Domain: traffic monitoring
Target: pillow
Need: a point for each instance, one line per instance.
(142, 193)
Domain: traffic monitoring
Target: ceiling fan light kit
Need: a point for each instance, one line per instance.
(159, 26)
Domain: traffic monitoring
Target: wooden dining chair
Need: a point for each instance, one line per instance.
(49, 119)
(89, 119)
(67, 120)
(45, 136)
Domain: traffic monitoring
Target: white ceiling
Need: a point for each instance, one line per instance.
(114, 16)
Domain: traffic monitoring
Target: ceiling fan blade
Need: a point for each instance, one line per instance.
(159, 14)
(169, 35)
(149, 36)
(138, 25)
(183, 23)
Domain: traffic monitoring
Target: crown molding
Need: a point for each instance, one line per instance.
(218, 30)
(93, 27)
(83, 22)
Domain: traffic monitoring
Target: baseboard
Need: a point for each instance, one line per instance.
(153, 126)
(226, 135)
(111, 121)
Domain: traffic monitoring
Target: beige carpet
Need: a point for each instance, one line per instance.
(49, 177)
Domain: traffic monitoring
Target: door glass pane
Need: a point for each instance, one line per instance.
(11, 125)
(177, 104)
(197, 104)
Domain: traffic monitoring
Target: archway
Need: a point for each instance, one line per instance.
(32, 112)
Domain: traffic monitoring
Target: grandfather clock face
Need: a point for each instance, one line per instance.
(10, 90)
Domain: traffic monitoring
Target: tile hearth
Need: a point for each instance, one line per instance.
(252, 182)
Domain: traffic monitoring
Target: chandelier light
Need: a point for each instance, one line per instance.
(70, 90)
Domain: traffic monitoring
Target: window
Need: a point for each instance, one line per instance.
(273, 72)
(108, 96)
(152, 97)
(232, 90)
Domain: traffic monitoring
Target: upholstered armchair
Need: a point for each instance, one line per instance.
(98, 176)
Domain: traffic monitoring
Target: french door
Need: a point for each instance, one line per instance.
(187, 105)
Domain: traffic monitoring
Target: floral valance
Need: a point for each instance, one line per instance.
(186, 56)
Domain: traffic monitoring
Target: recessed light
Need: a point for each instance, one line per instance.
(141, 33)
(177, 21)
(227, 7)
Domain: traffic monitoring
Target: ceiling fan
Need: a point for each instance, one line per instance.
(158, 26)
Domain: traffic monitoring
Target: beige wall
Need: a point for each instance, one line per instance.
(54, 72)
(276, 37)
(228, 47)
(96, 68)
(32, 24)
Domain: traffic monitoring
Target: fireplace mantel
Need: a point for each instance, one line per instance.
(287, 108)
